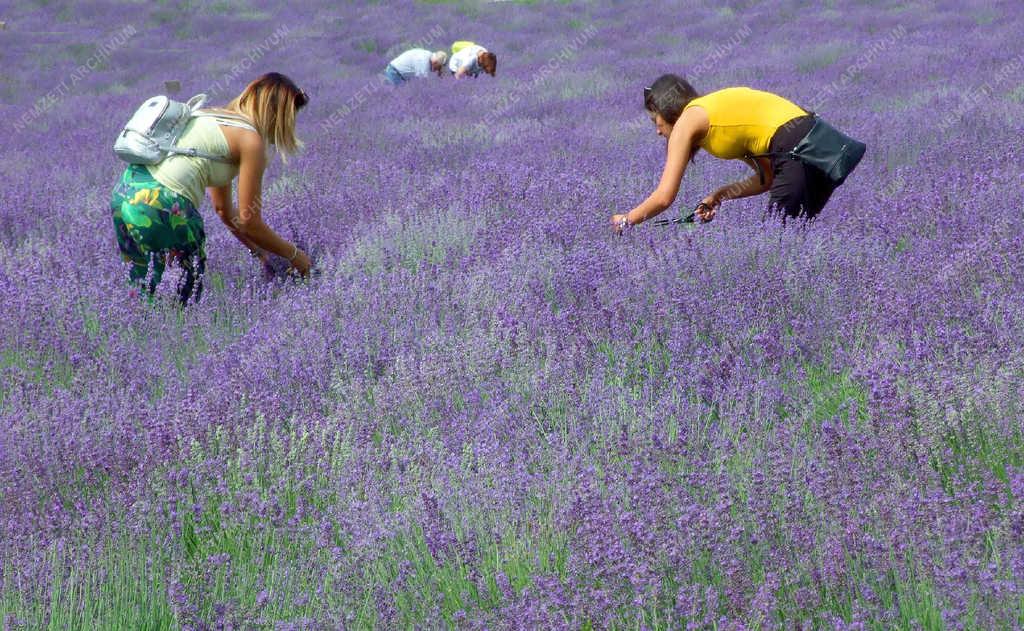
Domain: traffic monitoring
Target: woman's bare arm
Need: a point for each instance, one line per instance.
(222, 205)
(246, 221)
(748, 186)
(252, 163)
(741, 188)
(686, 133)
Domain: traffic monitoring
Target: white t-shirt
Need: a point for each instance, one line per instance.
(466, 58)
(413, 63)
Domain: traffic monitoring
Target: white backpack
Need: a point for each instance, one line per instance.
(152, 132)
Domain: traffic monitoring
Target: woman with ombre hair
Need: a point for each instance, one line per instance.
(155, 207)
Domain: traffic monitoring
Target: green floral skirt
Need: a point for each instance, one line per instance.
(154, 225)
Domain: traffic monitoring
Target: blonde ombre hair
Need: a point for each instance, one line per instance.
(270, 103)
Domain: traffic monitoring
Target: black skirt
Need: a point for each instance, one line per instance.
(798, 190)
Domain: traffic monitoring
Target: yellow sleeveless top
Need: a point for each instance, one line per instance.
(190, 176)
(743, 120)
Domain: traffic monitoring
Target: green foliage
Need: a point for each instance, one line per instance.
(124, 588)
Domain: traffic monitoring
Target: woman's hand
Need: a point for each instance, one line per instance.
(301, 263)
(619, 222)
(707, 208)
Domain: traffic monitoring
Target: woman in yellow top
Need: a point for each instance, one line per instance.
(155, 208)
(731, 124)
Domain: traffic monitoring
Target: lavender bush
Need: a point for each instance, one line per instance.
(487, 411)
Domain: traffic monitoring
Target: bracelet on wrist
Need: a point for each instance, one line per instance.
(295, 252)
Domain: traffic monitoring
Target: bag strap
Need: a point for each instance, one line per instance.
(238, 124)
(772, 154)
(195, 102)
(757, 164)
(227, 119)
(222, 119)
(192, 152)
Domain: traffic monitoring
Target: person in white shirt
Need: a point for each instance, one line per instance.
(416, 62)
(471, 60)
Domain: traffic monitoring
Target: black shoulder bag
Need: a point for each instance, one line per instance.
(825, 148)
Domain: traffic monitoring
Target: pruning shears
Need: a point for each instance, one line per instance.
(691, 218)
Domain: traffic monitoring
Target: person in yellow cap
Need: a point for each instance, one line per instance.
(737, 123)
(471, 59)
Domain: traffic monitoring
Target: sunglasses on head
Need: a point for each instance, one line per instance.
(301, 98)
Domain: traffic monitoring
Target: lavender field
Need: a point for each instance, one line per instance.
(488, 411)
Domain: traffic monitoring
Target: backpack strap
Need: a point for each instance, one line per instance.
(222, 119)
(196, 102)
(227, 119)
(239, 124)
(192, 152)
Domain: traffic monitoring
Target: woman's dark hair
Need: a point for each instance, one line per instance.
(668, 95)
